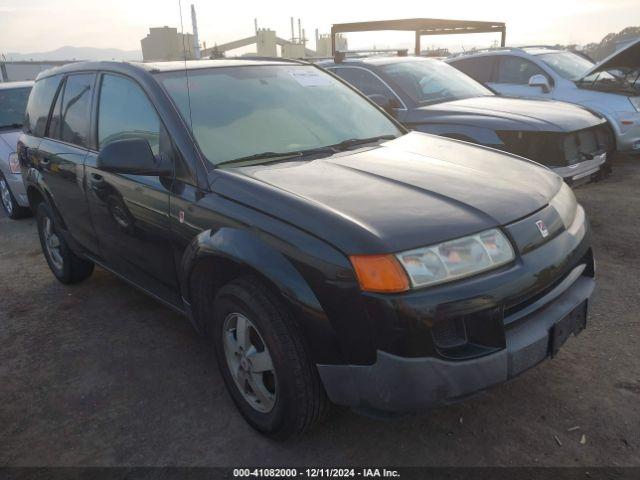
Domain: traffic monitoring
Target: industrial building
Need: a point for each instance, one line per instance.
(166, 43)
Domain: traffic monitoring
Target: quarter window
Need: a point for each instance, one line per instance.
(72, 112)
(517, 70)
(125, 112)
(39, 105)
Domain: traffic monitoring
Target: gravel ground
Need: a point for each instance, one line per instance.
(99, 374)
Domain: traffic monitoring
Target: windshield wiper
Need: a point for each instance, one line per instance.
(338, 147)
(279, 155)
(354, 142)
(261, 156)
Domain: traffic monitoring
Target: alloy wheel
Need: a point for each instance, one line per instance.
(249, 362)
(5, 194)
(52, 244)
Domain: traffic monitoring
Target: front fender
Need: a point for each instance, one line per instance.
(246, 249)
(250, 251)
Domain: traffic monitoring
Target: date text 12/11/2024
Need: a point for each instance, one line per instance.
(315, 473)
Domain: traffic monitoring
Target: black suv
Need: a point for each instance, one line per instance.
(431, 96)
(328, 254)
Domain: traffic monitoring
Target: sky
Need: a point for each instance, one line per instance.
(29, 26)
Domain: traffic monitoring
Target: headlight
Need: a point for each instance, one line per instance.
(565, 204)
(457, 258)
(635, 101)
(14, 163)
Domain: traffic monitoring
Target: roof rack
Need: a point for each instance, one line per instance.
(341, 55)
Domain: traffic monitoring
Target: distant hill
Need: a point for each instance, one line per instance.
(78, 53)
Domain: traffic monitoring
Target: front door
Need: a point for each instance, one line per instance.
(512, 78)
(131, 212)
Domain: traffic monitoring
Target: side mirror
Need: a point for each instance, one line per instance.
(541, 81)
(133, 157)
(384, 101)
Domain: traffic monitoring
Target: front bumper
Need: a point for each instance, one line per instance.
(17, 188)
(439, 344)
(398, 384)
(584, 172)
(628, 136)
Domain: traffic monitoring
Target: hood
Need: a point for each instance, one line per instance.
(627, 58)
(501, 113)
(413, 191)
(10, 138)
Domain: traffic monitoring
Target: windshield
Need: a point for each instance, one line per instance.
(567, 64)
(433, 81)
(13, 103)
(241, 111)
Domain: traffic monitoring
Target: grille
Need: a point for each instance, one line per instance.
(559, 149)
(581, 145)
(449, 333)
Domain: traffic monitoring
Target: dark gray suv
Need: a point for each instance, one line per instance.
(432, 97)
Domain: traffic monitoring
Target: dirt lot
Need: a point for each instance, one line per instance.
(98, 374)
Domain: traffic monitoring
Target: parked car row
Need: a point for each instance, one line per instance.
(330, 255)
(426, 95)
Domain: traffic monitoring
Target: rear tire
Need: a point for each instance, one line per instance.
(67, 267)
(9, 203)
(290, 397)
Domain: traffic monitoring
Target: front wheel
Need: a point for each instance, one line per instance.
(264, 362)
(65, 265)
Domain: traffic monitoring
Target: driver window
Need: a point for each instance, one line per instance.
(517, 70)
(125, 112)
(364, 81)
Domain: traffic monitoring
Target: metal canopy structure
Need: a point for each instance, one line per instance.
(421, 26)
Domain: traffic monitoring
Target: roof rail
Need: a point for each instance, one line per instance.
(483, 50)
(341, 55)
(551, 47)
(258, 57)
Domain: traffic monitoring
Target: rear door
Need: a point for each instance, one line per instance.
(131, 212)
(512, 77)
(62, 152)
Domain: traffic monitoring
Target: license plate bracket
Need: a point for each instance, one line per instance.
(572, 323)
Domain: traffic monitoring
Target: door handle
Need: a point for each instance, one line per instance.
(45, 160)
(97, 177)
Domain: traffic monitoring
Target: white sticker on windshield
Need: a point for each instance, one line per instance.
(310, 78)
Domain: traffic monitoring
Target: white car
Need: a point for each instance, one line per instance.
(611, 88)
(13, 103)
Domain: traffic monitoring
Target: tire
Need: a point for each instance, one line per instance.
(67, 267)
(298, 400)
(9, 203)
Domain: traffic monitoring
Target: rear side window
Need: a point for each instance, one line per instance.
(478, 68)
(72, 114)
(125, 112)
(517, 70)
(39, 105)
(13, 103)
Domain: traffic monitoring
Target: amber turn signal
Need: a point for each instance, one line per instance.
(380, 273)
